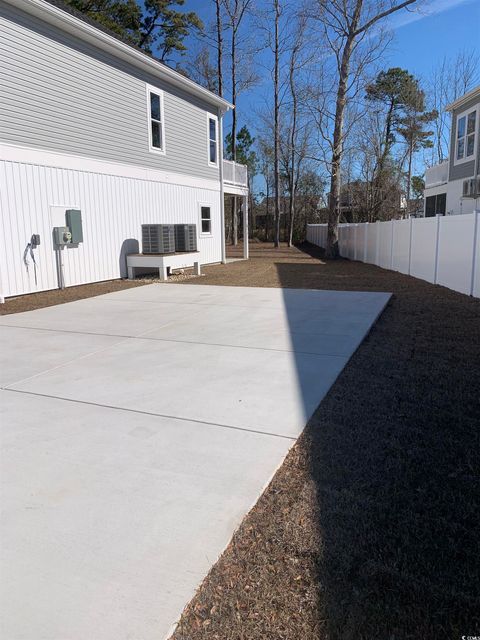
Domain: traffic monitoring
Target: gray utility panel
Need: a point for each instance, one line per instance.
(158, 238)
(73, 218)
(185, 237)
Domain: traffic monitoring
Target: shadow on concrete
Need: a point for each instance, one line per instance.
(393, 455)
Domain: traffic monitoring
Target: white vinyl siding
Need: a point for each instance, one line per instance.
(113, 207)
(90, 103)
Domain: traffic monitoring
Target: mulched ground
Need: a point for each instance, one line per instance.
(370, 529)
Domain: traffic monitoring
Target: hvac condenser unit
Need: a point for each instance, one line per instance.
(185, 237)
(158, 238)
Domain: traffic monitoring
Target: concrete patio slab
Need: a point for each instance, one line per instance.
(100, 315)
(111, 519)
(260, 390)
(361, 302)
(274, 329)
(138, 428)
(27, 352)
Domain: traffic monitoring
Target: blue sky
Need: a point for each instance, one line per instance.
(421, 39)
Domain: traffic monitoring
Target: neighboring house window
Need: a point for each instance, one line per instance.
(212, 140)
(206, 219)
(435, 205)
(466, 133)
(156, 122)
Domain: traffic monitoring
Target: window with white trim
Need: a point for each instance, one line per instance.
(466, 134)
(156, 125)
(212, 141)
(205, 219)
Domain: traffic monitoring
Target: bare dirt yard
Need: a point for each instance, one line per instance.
(370, 528)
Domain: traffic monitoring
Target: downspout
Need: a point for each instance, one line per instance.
(2, 297)
(222, 195)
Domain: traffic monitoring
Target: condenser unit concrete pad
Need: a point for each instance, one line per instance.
(138, 428)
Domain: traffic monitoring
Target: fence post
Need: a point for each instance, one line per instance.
(365, 243)
(437, 243)
(392, 222)
(475, 256)
(377, 241)
(410, 246)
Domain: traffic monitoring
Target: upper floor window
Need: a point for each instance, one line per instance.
(212, 140)
(156, 123)
(466, 133)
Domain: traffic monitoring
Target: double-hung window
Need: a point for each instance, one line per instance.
(466, 134)
(205, 219)
(156, 124)
(212, 140)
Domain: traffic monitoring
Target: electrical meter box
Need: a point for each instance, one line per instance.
(62, 235)
(73, 218)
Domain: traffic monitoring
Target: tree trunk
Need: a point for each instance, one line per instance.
(234, 131)
(341, 102)
(276, 160)
(409, 175)
(335, 183)
(219, 49)
(267, 215)
(335, 180)
(293, 140)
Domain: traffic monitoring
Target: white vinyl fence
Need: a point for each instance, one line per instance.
(442, 250)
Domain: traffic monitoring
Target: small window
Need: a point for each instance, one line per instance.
(436, 205)
(206, 219)
(156, 120)
(212, 140)
(465, 140)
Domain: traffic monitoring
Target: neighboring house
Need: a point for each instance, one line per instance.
(453, 187)
(90, 123)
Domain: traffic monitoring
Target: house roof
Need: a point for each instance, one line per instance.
(474, 93)
(65, 17)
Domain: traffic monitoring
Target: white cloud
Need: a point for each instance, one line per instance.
(425, 10)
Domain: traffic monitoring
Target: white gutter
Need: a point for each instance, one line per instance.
(474, 93)
(71, 24)
(222, 195)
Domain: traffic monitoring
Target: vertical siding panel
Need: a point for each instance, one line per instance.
(113, 210)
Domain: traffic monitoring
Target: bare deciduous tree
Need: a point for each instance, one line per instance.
(347, 24)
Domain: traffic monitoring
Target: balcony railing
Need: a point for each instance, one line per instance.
(235, 174)
(436, 175)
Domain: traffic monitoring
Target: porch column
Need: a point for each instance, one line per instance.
(245, 227)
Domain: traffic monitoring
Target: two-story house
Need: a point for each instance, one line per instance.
(91, 124)
(453, 187)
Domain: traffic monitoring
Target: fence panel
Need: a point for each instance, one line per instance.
(360, 242)
(476, 266)
(424, 248)
(343, 240)
(385, 245)
(351, 241)
(455, 252)
(401, 246)
(443, 250)
(372, 240)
